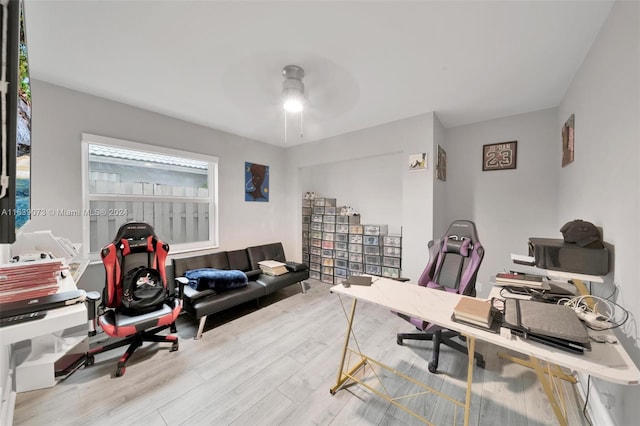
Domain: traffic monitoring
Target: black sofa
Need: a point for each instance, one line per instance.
(199, 304)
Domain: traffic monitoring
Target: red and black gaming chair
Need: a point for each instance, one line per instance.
(453, 265)
(135, 245)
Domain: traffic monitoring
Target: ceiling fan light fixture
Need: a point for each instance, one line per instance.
(293, 88)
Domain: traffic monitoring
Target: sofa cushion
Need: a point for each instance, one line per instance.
(216, 279)
(239, 259)
(272, 284)
(213, 303)
(214, 260)
(273, 251)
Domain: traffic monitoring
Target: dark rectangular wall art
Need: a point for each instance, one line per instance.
(499, 156)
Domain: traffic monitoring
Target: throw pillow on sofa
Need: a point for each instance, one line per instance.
(218, 280)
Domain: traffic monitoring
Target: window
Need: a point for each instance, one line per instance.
(174, 191)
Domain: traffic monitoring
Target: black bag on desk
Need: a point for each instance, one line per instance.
(554, 325)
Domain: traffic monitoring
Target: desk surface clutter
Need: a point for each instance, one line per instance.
(607, 361)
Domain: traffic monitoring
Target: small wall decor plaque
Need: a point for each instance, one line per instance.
(567, 141)
(441, 167)
(499, 156)
(418, 161)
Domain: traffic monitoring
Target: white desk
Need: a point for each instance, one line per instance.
(609, 362)
(37, 370)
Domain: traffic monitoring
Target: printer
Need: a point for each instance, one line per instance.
(581, 250)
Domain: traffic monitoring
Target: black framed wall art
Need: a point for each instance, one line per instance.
(499, 156)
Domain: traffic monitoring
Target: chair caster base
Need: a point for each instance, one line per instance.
(400, 341)
(174, 347)
(433, 367)
(90, 360)
(119, 371)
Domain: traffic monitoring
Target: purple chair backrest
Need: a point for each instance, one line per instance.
(454, 260)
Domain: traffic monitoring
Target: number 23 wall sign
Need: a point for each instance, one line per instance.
(499, 156)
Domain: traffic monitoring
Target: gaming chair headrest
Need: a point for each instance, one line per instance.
(134, 231)
(463, 229)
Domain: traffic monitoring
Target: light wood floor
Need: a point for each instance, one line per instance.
(275, 365)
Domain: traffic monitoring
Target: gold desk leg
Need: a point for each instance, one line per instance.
(547, 385)
(557, 371)
(344, 377)
(471, 350)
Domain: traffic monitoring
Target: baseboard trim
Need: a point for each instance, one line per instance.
(598, 413)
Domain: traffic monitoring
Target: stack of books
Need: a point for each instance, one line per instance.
(520, 280)
(273, 267)
(474, 312)
(28, 280)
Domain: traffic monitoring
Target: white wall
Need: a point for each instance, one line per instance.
(60, 116)
(371, 185)
(507, 206)
(392, 144)
(602, 185)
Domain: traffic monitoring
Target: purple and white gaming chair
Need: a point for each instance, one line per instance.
(454, 261)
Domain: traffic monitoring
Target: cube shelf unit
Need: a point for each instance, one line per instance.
(335, 246)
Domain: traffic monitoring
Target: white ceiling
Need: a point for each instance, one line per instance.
(219, 64)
